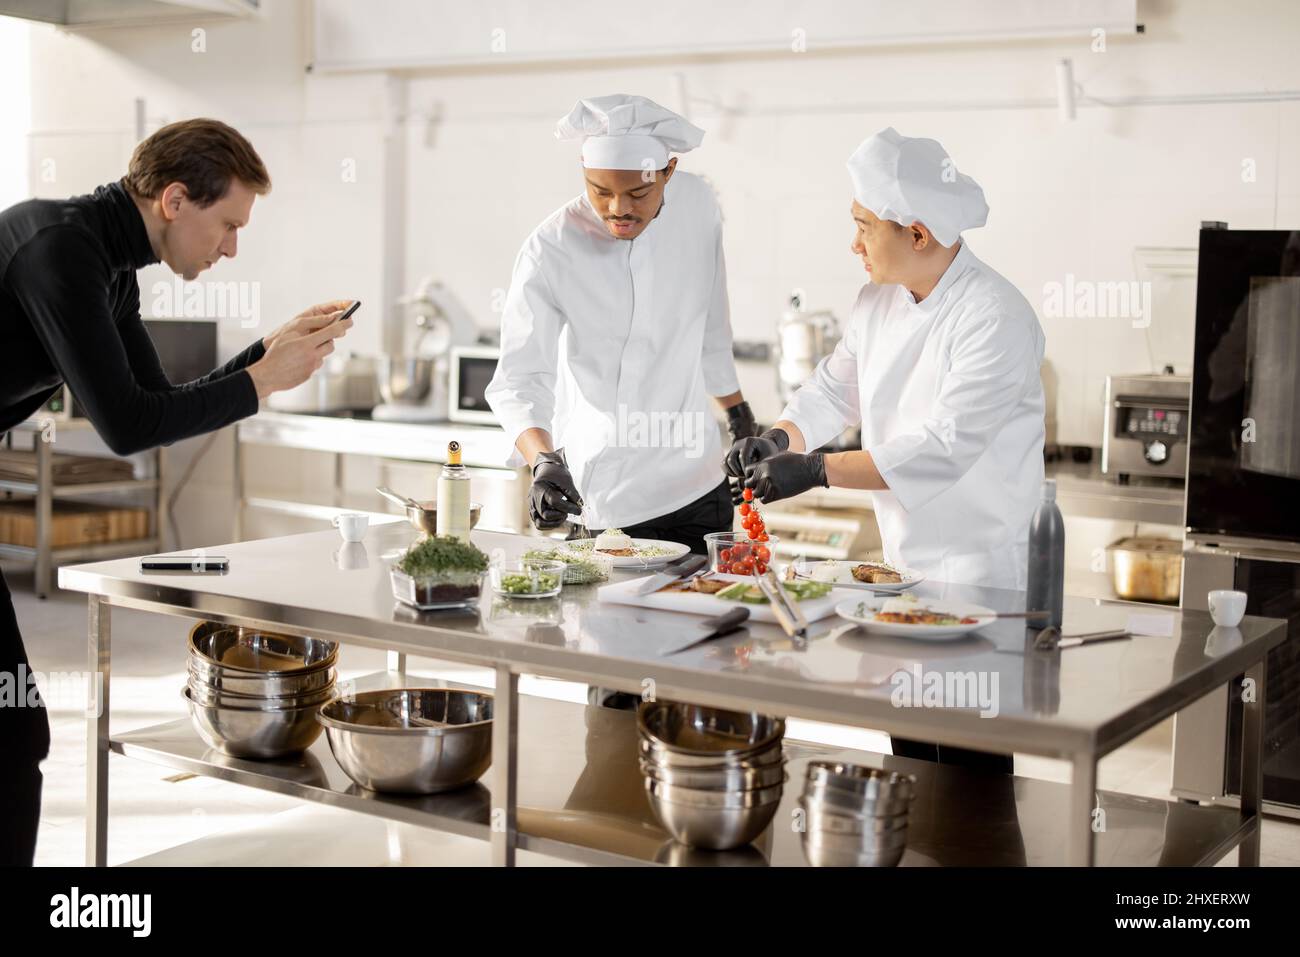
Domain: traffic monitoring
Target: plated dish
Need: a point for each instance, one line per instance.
(907, 616)
(867, 575)
(729, 589)
(628, 552)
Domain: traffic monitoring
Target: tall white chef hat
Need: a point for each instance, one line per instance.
(627, 132)
(911, 179)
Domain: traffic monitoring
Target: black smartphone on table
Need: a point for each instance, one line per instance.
(198, 564)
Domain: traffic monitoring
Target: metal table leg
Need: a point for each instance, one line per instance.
(238, 488)
(1252, 762)
(99, 635)
(503, 819)
(1080, 846)
(44, 512)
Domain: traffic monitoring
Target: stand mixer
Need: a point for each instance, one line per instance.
(413, 377)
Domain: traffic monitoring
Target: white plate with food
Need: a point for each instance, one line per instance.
(907, 616)
(628, 552)
(865, 575)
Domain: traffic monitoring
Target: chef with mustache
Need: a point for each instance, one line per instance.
(615, 334)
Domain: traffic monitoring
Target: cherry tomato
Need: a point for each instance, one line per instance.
(761, 568)
(764, 553)
(762, 536)
(739, 551)
(748, 494)
(745, 508)
(725, 554)
(752, 534)
(747, 522)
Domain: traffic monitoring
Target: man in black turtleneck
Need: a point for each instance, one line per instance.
(70, 312)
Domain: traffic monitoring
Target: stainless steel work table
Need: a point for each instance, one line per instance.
(1077, 704)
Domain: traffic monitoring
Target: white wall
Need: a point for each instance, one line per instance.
(1074, 198)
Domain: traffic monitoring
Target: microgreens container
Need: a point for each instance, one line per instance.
(527, 577)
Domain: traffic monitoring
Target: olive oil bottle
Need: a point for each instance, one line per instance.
(453, 496)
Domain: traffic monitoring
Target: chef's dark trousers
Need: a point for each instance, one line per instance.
(24, 743)
(942, 754)
(711, 512)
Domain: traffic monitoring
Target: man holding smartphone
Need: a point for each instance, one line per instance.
(70, 312)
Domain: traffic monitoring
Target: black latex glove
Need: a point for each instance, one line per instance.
(786, 475)
(746, 452)
(553, 496)
(741, 425)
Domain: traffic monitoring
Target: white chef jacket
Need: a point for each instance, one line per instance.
(948, 394)
(614, 345)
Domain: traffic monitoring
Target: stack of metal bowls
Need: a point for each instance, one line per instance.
(855, 816)
(254, 694)
(713, 777)
(411, 740)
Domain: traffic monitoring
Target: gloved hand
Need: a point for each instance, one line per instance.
(786, 474)
(741, 425)
(553, 495)
(746, 452)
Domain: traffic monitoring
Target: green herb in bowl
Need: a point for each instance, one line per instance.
(440, 556)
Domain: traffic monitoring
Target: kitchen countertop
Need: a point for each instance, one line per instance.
(1091, 699)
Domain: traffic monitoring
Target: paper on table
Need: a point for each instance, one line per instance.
(1151, 625)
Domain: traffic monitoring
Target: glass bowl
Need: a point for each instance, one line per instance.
(729, 551)
(452, 589)
(527, 577)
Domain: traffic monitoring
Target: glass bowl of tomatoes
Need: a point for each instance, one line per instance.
(735, 553)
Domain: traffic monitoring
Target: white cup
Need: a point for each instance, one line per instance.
(1227, 607)
(352, 525)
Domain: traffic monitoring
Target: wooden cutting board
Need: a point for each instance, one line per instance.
(694, 603)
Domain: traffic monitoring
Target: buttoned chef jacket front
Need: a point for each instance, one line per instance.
(615, 345)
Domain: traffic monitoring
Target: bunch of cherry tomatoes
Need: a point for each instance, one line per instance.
(745, 558)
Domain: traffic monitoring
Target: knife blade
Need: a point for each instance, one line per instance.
(679, 570)
(720, 626)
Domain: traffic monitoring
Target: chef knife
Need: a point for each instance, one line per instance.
(679, 570)
(723, 624)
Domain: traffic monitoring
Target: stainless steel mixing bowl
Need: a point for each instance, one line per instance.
(254, 733)
(871, 784)
(694, 734)
(250, 651)
(405, 380)
(204, 695)
(717, 827)
(411, 740)
(716, 779)
(241, 683)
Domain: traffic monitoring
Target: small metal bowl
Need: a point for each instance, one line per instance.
(719, 779)
(204, 695)
(829, 851)
(239, 683)
(828, 821)
(842, 802)
(411, 740)
(712, 828)
(653, 752)
(253, 733)
(424, 515)
(694, 731)
(871, 784)
(699, 797)
(250, 651)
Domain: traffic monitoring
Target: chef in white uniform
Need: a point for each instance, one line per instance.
(939, 365)
(616, 332)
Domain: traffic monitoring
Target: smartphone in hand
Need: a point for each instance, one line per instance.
(356, 304)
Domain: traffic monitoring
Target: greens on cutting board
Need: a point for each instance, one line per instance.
(799, 590)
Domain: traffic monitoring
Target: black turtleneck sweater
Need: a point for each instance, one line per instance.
(70, 312)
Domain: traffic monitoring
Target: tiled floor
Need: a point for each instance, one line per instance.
(160, 817)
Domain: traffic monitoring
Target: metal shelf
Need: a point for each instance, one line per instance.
(85, 488)
(90, 551)
(581, 799)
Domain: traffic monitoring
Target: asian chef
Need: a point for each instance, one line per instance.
(940, 366)
(615, 333)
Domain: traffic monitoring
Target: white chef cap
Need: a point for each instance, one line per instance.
(911, 179)
(627, 132)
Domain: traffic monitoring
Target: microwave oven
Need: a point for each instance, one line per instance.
(472, 368)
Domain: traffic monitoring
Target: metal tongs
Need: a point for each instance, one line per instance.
(788, 615)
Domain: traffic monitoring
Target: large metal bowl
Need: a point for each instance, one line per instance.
(204, 695)
(250, 651)
(253, 733)
(240, 683)
(405, 380)
(694, 731)
(411, 740)
(719, 779)
(714, 828)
